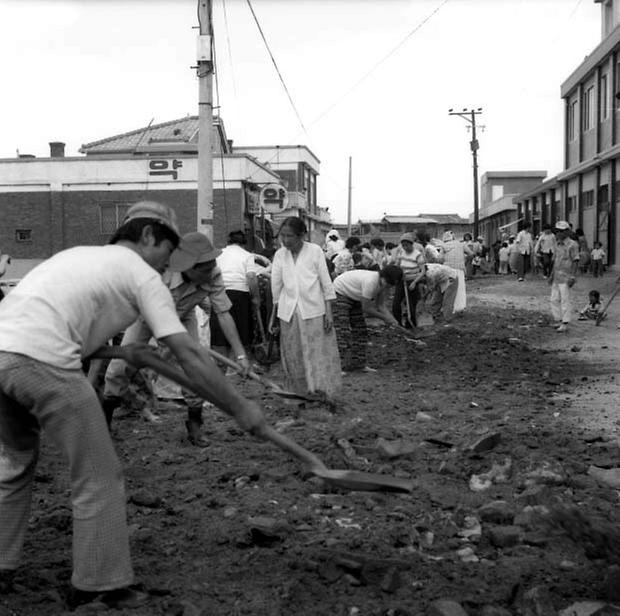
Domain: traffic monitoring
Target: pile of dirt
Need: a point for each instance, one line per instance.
(475, 413)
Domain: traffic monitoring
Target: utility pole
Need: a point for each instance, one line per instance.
(469, 115)
(204, 206)
(349, 199)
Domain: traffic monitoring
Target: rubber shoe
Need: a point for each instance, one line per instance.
(368, 369)
(118, 598)
(194, 434)
(562, 328)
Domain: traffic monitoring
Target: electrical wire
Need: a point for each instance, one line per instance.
(276, 65)
(380, 62)
(368, 73)
(221, 149)
(230, 59)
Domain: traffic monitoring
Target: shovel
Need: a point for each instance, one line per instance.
(270, 385)
(349, 480)
(162, 367)
(603, 313)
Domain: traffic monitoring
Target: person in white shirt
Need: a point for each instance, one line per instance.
(598, 260)
(333, 244)
(545, 247)
(525, 247)
(359, 293)
(239, 273)
(64, 311)
(303, 293)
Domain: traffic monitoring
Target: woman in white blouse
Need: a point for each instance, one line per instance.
(302, 292)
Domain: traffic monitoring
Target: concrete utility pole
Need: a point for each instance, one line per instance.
(469, 115)
(204, 209)
(349, 199)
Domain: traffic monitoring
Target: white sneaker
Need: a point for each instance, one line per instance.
(562, 328)
(368, 369)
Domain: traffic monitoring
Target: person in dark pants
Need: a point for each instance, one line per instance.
(359, 293)
(239, 273)
(410, 258)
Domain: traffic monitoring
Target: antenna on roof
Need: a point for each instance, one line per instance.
(135, 147)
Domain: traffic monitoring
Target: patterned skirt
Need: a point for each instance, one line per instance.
(310, 356)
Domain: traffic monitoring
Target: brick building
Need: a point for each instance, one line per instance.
(47, 204)
(587, 191)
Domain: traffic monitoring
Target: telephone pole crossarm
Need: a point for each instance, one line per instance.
(469, 115)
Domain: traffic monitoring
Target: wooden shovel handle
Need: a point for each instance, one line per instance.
(268, 433)
(289, 445)
(251, 374)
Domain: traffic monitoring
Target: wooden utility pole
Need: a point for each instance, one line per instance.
(204, 209)
(349, 199)
(469, 115)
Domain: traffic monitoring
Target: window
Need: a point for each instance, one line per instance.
(588, 109)
(587, 198)
(603, 97)
(497, 192)
(572, 121)
(111, 215)
(23, 235)
(572, 204)
(603, 194)
(617, 86)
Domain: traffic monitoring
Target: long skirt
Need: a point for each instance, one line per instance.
(460, 301)
(310, 356)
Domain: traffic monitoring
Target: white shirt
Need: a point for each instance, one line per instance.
(235, 262)
(358, 284)
(73, 303)
(303, 284)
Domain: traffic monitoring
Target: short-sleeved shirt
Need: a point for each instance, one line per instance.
(358, 285)
(235, 263)
(73, 303)
(440, 276)
(566, 253)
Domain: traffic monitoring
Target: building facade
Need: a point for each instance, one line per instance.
(48, 204)
(587, 193)
(498, 212)
(391, 227)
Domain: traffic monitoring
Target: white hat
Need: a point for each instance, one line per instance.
(562, 225)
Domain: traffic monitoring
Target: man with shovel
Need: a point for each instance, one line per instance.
(193, 280)
(63, 311)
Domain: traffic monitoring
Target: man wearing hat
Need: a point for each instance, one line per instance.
(563, 275)
(193, 280)
(63, 311)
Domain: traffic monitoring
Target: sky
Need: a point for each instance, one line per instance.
(372, 80)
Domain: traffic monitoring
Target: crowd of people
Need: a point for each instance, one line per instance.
(148, 285)
(524, 253)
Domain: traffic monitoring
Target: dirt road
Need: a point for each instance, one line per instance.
(492, 416)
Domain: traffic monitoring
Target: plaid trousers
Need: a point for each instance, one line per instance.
(35, 396)
(351, 332)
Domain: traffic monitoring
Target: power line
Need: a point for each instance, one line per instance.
(276, 65)
(232, 72)
(367, 74)
(380, 62)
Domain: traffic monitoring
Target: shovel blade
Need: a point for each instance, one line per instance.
(366, 482)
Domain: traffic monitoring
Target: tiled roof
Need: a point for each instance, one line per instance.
(444, 219)
(420, 220)
(175, 133)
